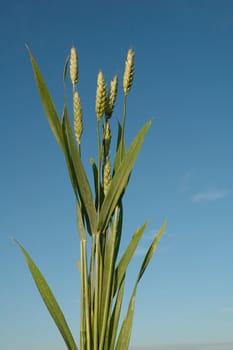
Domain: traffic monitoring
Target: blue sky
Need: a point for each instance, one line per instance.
(184, 81)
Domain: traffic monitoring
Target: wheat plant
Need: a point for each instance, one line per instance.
(99, 208)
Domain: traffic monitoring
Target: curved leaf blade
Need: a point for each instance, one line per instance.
(126, 328)
(47, 102)
(121, 149)
(115, 317)
(128, 254)
(49, 300)
(84, 187)
(151, 251)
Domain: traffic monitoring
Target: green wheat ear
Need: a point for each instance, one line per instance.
(73, 66)
(111, 97)
(78, 118)
(107, 176)
(101, 97)
(106, 139)
(129, 72)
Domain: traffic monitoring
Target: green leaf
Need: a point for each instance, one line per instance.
(151, 250)
(119, 229)
(126, 329)
(81, 228)
(65, 70)
(69, 163)
(108, 276)
(120, 179)
(81, 177)
(85, 315)
(112, 333)
(121, 149)
(95, 177)
(128, 254)
(47, 102)
(49, 300)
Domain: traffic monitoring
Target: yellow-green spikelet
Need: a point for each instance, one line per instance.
(73, 66)
(107, 138)
(111, 97)
(78, 119)
(129, 72)
(101, 97)
(107, 176)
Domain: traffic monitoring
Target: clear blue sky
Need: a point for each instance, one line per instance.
(184, 80)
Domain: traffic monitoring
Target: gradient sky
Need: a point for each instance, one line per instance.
(184, 81)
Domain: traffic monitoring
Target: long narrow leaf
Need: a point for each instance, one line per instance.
(112, 333)
(47, 102)
(49, 300)
(126, 329)
(85, 294)
(128, 254)
(95, 178)
(108, 278)
(121, 149)
(69, 163)
(82, 180)
(120, 179)
(119, 230)
(85, 319)
(151, 250)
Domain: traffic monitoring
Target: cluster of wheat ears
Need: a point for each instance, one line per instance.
(99, 215)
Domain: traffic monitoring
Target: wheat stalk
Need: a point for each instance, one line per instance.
(99, 215)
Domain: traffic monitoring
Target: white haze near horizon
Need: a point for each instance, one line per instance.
(200, 346)
(206, 346)
(218, 346)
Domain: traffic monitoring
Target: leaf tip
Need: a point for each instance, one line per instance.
(13, 239)
(28, 49)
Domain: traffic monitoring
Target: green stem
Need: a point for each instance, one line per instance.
(92, 279)
(82, 314)
(99, 167)
(109, 284)
(124, 113)
(85, 288)
(123, 129)
(97, 292)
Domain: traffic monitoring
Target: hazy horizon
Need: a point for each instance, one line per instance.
(204, 346)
